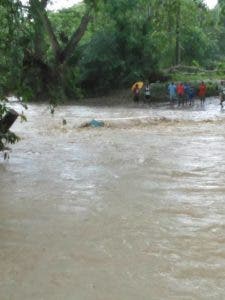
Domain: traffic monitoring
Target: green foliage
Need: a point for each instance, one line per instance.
(221, 68)
(6, 137)
(71, 83)
(196, 76)
(101, 62)
(119, 48)
(126, 40)
(11, 56)
(3, 109)
(10, 52)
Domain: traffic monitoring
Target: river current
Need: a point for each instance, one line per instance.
(131, 211)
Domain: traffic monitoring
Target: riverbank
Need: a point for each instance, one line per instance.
(124, 97)
(159, 93)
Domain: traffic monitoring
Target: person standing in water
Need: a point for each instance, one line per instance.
(202, 92)
(172, 92)
(136, 92)
(222, 93)
(180, 93)
(186, 92)
(191, 95)
(147, 91)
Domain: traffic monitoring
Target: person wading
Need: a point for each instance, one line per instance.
(136, 92)
(180, 93)
(202, 92)
(147, 91)
(222, 93)
(172, 92)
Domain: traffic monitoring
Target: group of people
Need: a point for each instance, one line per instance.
(136, 92)
(184, 93)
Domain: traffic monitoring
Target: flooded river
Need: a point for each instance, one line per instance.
(133, 211)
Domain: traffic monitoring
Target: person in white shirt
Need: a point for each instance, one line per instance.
(147, 91)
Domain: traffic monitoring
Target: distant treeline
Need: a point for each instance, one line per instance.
(98, 46)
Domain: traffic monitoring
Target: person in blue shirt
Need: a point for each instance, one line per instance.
(172, 92)
(186, 92)
(191, 95)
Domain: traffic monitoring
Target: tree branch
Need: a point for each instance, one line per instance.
(40, 11)
(60, 56)
(75, 38)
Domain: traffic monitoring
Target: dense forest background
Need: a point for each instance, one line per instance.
(98, 46)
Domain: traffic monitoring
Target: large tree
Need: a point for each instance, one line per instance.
(33, 62)
(46, 58)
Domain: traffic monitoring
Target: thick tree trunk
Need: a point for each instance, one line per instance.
(51, 75)
(61, 56)
(42, 15)
(39, 40)
(8, 120)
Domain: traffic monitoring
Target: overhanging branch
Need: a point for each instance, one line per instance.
(40, 11)
(75, 38)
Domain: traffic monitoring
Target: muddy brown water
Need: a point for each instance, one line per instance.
(135, 210)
